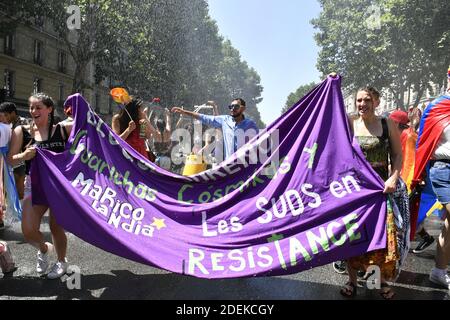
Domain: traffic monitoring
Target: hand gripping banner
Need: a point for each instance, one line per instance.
(320, 203)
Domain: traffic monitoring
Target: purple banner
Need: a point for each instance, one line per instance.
(321, 203)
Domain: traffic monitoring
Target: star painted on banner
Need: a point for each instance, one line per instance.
(158, 223)
(275, 237)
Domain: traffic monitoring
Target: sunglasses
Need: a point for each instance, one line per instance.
(234, 106)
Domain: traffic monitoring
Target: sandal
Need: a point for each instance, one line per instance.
(349, 290)
(388, 293)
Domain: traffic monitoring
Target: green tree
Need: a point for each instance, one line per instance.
(21, 12)
(165, 48)
(407, 49)
(294, 97)
(237, 80)
(178, 55)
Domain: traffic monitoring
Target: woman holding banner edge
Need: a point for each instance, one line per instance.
(44, 134)
(379, 139)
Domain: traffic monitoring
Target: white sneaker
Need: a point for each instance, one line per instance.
(42, 259)
(440, 278)
(58, 270)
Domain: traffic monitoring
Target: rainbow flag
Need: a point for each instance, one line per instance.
(429, 204)
(435, 118)
(408, 140)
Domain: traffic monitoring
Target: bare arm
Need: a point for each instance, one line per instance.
(168, 121)
(396, 148)
(350, 122)
(116, 128)
(150, 130)
(215, 107)
(185, 112)
(396, 157)
(15, 156)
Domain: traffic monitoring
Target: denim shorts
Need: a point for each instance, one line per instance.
(440, 180)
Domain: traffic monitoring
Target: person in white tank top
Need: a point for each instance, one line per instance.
(443, 148)
(440, 181)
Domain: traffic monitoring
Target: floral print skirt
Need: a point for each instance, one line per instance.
(387, 258)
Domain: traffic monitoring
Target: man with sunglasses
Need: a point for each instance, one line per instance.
(236, 128)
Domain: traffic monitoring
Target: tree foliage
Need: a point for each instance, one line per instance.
(165, 48)
(294, 97)
(389, 44)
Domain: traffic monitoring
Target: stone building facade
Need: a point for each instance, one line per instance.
(34, 59)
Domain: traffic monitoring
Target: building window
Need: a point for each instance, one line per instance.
(9, 83)
(9, 44)
(37, 85)
(62, 61)
(38, 48)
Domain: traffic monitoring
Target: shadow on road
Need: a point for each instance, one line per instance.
(122, 284)
(14, 233)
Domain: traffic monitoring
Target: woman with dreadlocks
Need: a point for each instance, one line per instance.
(45, 134)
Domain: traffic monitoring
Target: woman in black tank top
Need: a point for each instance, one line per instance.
(56, 143)
(42, 133)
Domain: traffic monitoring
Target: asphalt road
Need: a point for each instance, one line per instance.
(105, 276)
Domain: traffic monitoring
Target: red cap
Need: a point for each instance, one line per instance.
(399, 116)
